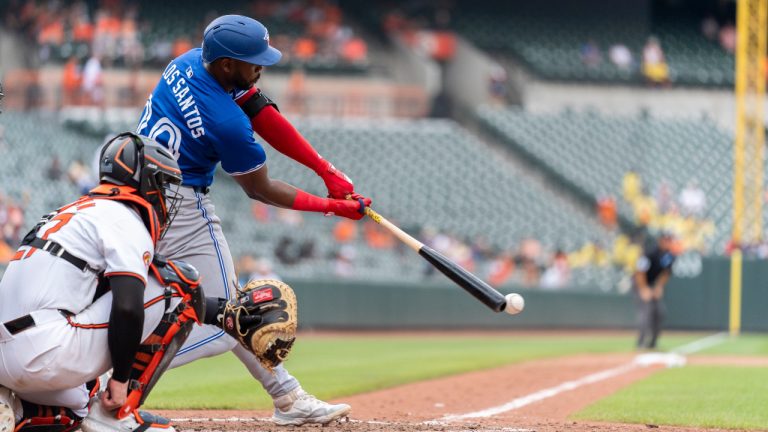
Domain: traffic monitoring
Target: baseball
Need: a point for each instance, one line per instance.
(515, 303)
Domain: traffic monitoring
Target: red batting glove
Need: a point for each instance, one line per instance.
(338, 184)
(352, 208)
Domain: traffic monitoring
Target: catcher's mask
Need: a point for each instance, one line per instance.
(143, 164)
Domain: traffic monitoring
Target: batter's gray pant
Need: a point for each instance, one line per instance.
(195, 236)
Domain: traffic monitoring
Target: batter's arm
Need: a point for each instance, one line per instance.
(258, 186)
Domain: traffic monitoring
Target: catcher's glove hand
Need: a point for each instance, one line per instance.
(263, 317)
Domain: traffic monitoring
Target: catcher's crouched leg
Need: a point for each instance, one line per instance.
(156, 352)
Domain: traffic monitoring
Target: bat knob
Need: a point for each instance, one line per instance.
(515, 303)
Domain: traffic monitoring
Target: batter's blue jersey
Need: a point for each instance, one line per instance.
(200, 123)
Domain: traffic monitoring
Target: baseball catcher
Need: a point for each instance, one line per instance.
(263, 319)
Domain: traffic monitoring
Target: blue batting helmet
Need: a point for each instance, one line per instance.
(241, 38)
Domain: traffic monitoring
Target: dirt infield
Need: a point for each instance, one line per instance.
(532, 396)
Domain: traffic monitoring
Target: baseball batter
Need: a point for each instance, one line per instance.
(205, 109)
(59, 328)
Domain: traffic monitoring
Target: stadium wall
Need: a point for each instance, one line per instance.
(698, 303)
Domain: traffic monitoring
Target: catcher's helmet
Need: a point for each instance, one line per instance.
(141, 163)
(238, 37)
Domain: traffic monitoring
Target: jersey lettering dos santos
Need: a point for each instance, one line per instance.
(200, 123)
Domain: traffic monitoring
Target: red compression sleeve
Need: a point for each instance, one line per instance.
(280, 134)
(308, 202)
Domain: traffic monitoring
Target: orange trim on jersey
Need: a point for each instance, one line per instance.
(86, 205)
(31, 251)
(136, 275)
(117, 157)
(17, 256)
(168, 167)
(86, 326)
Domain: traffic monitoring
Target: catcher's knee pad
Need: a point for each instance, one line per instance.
(156, 352)
(44, 418)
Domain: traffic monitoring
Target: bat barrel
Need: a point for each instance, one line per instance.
(469, 282)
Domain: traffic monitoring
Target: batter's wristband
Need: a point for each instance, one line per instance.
(362, 206)
(308, 202)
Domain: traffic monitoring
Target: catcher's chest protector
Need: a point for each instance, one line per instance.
(156, 352)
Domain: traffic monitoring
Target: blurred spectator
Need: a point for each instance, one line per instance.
(727, 37)
(79, 176)
(250, 268)
(181, 45)
(377, 237)
(664, 198)
(710, 28)
(71, 82)
(621, 56)
(530, 254)
(607, 212)
(497, 84)
(354, 50)
(304, 48)
(290, 251)
(289, 217)
(558, 274)
(501, 270)
(590, 54)
(343, 265)
(692, 200)
(261, 212)
(93, 81)
(655, 67)
(631, 186)
(54, 170)
(345, 231)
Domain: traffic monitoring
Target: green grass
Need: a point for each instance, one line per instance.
(699, 396)
(337, 366)
(746, 344)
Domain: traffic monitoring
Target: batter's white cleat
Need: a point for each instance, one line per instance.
(7, 415)
(100, 420)
(299, 407)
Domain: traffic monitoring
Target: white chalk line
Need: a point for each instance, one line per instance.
(701, 344)
(674, 358)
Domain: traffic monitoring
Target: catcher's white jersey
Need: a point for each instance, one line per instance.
(48, 362)
(108, 235)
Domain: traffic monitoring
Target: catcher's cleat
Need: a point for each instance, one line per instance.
(100, 420)
(7, 416)
(299, 408)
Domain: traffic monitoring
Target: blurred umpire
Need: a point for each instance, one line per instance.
(652, 273)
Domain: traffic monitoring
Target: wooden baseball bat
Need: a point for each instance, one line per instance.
(471, 283)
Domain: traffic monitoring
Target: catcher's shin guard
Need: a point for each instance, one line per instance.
(157, 351)
(43, 418)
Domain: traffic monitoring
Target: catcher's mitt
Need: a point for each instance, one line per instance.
(263, 317)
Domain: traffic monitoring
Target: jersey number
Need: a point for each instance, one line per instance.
(163, 126)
